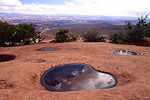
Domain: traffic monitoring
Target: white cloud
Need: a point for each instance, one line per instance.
(112, 7)
(83, 7)
(12, 3)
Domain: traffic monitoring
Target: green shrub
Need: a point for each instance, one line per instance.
(61, 35)
(21, 34)
(73, 38)
(93, 36)
(25, 34)
(118, 37)
(133, 32)
(6, 33)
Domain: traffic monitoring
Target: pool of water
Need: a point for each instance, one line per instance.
(125, 52)
(74, 77)
(47, 49)
(5, 57)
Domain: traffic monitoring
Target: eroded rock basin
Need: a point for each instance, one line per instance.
(5, 57)
(125, 52)
(74, 77)
(47, 49)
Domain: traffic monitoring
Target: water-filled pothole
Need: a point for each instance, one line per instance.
(47, 49)
(5, 57)
(74, 77)
(125, 52)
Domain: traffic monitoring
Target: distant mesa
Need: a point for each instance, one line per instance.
(125, 52)
(75, 77)
(5, 57)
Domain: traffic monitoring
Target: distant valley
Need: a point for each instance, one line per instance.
(47, 25)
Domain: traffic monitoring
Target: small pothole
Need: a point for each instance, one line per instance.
(47, 49)
(5, 85)
(5, 57)
(125, 52)
(147, 49)
(74, 77)
(40, 60)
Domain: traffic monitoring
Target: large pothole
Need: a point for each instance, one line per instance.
(74, 77)
(125, 52)
(5, 57)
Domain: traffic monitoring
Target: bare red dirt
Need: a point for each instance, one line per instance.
(20, 78)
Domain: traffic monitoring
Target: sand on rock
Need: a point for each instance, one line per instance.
(20, 78)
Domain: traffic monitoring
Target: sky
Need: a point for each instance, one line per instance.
(77, 7)
(56, 2)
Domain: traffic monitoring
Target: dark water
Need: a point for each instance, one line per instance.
(125, 52)
(74, 77)
(47, 49)
(5, 57)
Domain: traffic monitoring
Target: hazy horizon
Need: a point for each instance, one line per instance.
(77, 7)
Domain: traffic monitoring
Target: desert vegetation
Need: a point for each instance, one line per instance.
(133, 33)
(93, 36)
(24, 34)
(88, 36)
(62, 36)
(21, 34)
